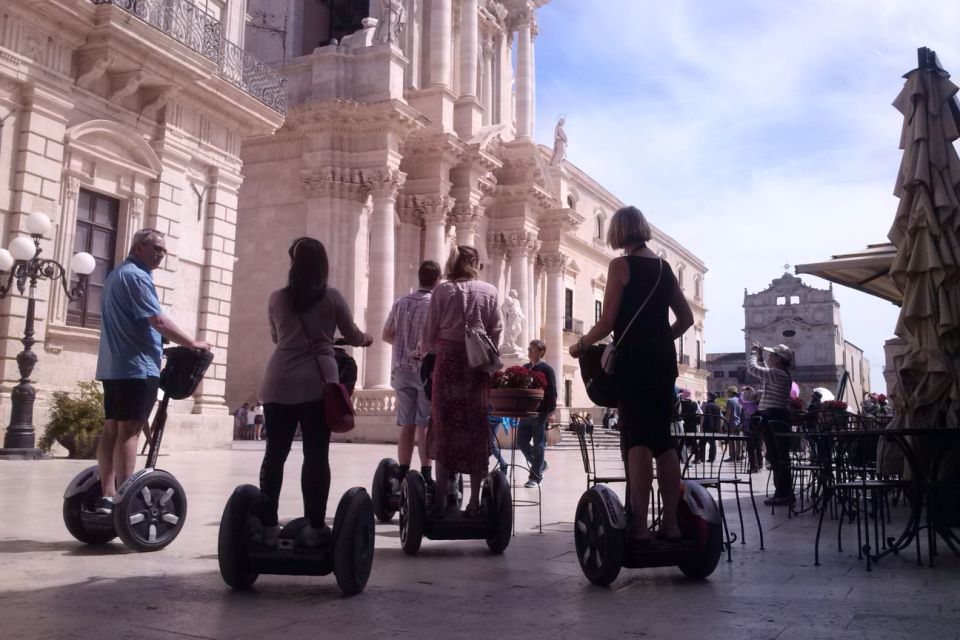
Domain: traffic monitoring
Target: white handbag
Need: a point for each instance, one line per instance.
(482, 353)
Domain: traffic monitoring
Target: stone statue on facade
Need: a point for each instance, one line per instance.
(559, 143)
(512, 323)
(392, 18)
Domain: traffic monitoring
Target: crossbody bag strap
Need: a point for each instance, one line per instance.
(311, 345)
(463, 299)
(649, 295)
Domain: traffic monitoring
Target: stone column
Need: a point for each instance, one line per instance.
(435, 211)
(468, 47)
(533, 326)
(383, 185)
(465, 218)
(519, 244)
(487, 97)
(495, 249)
(525, 26)
(554, 263)
(441, 36)
(409, 211)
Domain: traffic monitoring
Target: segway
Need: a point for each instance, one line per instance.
(348, 555)
(151, 506)
(601, 521)
(385, 489)
(603, 548)
(493, 523)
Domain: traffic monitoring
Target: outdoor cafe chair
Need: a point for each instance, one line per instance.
(735, 471)
(860, 489)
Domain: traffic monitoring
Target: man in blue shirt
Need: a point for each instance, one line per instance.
(132, 323)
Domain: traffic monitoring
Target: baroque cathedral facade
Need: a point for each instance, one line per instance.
(405, 136)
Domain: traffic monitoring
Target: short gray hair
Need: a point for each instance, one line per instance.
(143, 235)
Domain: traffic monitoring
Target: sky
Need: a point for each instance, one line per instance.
(755, 133)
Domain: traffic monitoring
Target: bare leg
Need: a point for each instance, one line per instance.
(108, 439)
(443, 476)
(476, 479)
(640, 471)
(125, 449)
(422, 446)
(405, 444)
(668, 478)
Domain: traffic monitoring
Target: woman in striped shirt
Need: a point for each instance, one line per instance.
(775, 416)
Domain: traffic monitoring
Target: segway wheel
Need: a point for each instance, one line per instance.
(151, 511)
(353, 541)
(705, 562)
(413, 512)
(599, 545)
(232, 541)
(381, 489)
(87, 500)
(497, 491)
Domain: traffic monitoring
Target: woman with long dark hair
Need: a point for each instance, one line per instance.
(304, 316)
(646, 366)
(460, 432)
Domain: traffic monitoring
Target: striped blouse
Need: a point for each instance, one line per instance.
(776, 384)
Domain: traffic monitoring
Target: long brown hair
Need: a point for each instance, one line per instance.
(309, 269)
(463, 263)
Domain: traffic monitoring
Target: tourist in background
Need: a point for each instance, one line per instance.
(774, 413)
(711, 424)
(640, 281)
(461, 434)
(535, 428)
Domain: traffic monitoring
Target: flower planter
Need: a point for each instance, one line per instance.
(516, 403)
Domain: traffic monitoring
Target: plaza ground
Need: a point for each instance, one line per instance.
(53, 587)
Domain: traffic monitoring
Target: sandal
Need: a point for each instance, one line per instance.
(661, 536)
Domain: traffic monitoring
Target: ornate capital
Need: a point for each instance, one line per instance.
(436, 208)
(334, 182)
(496, 246)
(409, 210)
(554, 263)
(524, 242)
(136, 207)
(73, 187)
(465, 215)
(384, 183)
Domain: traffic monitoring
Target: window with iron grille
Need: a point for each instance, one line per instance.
(96, 233)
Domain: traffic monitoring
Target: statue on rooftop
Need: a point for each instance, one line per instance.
(559, 143)
(392, 18)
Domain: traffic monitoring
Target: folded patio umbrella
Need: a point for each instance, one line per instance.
(926, 232)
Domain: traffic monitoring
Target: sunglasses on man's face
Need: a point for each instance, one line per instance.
(156, 248)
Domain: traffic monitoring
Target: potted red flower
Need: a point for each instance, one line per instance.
(517, 391)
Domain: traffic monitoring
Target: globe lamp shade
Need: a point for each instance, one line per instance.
(6, 260)
(38, 223)
(82, 264)
(23, 248)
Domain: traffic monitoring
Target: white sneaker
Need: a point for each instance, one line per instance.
(105, 508)
(531, 484)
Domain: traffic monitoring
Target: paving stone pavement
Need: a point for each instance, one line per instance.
(54, 587)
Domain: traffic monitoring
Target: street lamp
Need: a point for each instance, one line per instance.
(24, 264)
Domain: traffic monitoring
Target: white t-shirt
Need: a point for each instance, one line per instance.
(252, 414)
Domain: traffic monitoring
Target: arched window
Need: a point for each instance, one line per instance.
(680, 278)
(599, 234)
(697, 293)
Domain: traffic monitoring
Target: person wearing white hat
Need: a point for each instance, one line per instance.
(774, 412)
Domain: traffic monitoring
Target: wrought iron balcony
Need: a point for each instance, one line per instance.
(253, 76)
(190, 25)
(572, 325)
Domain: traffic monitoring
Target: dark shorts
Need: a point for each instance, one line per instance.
(131, 399)
(646, 415)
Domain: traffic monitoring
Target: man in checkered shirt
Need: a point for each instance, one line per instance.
(403, 329)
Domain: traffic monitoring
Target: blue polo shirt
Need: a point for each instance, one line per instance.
(129, 346)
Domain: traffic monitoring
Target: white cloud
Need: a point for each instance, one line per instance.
(755, 133)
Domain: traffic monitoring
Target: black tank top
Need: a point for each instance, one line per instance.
(647, 355)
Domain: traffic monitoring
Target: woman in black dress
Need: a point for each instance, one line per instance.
(646, 366)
